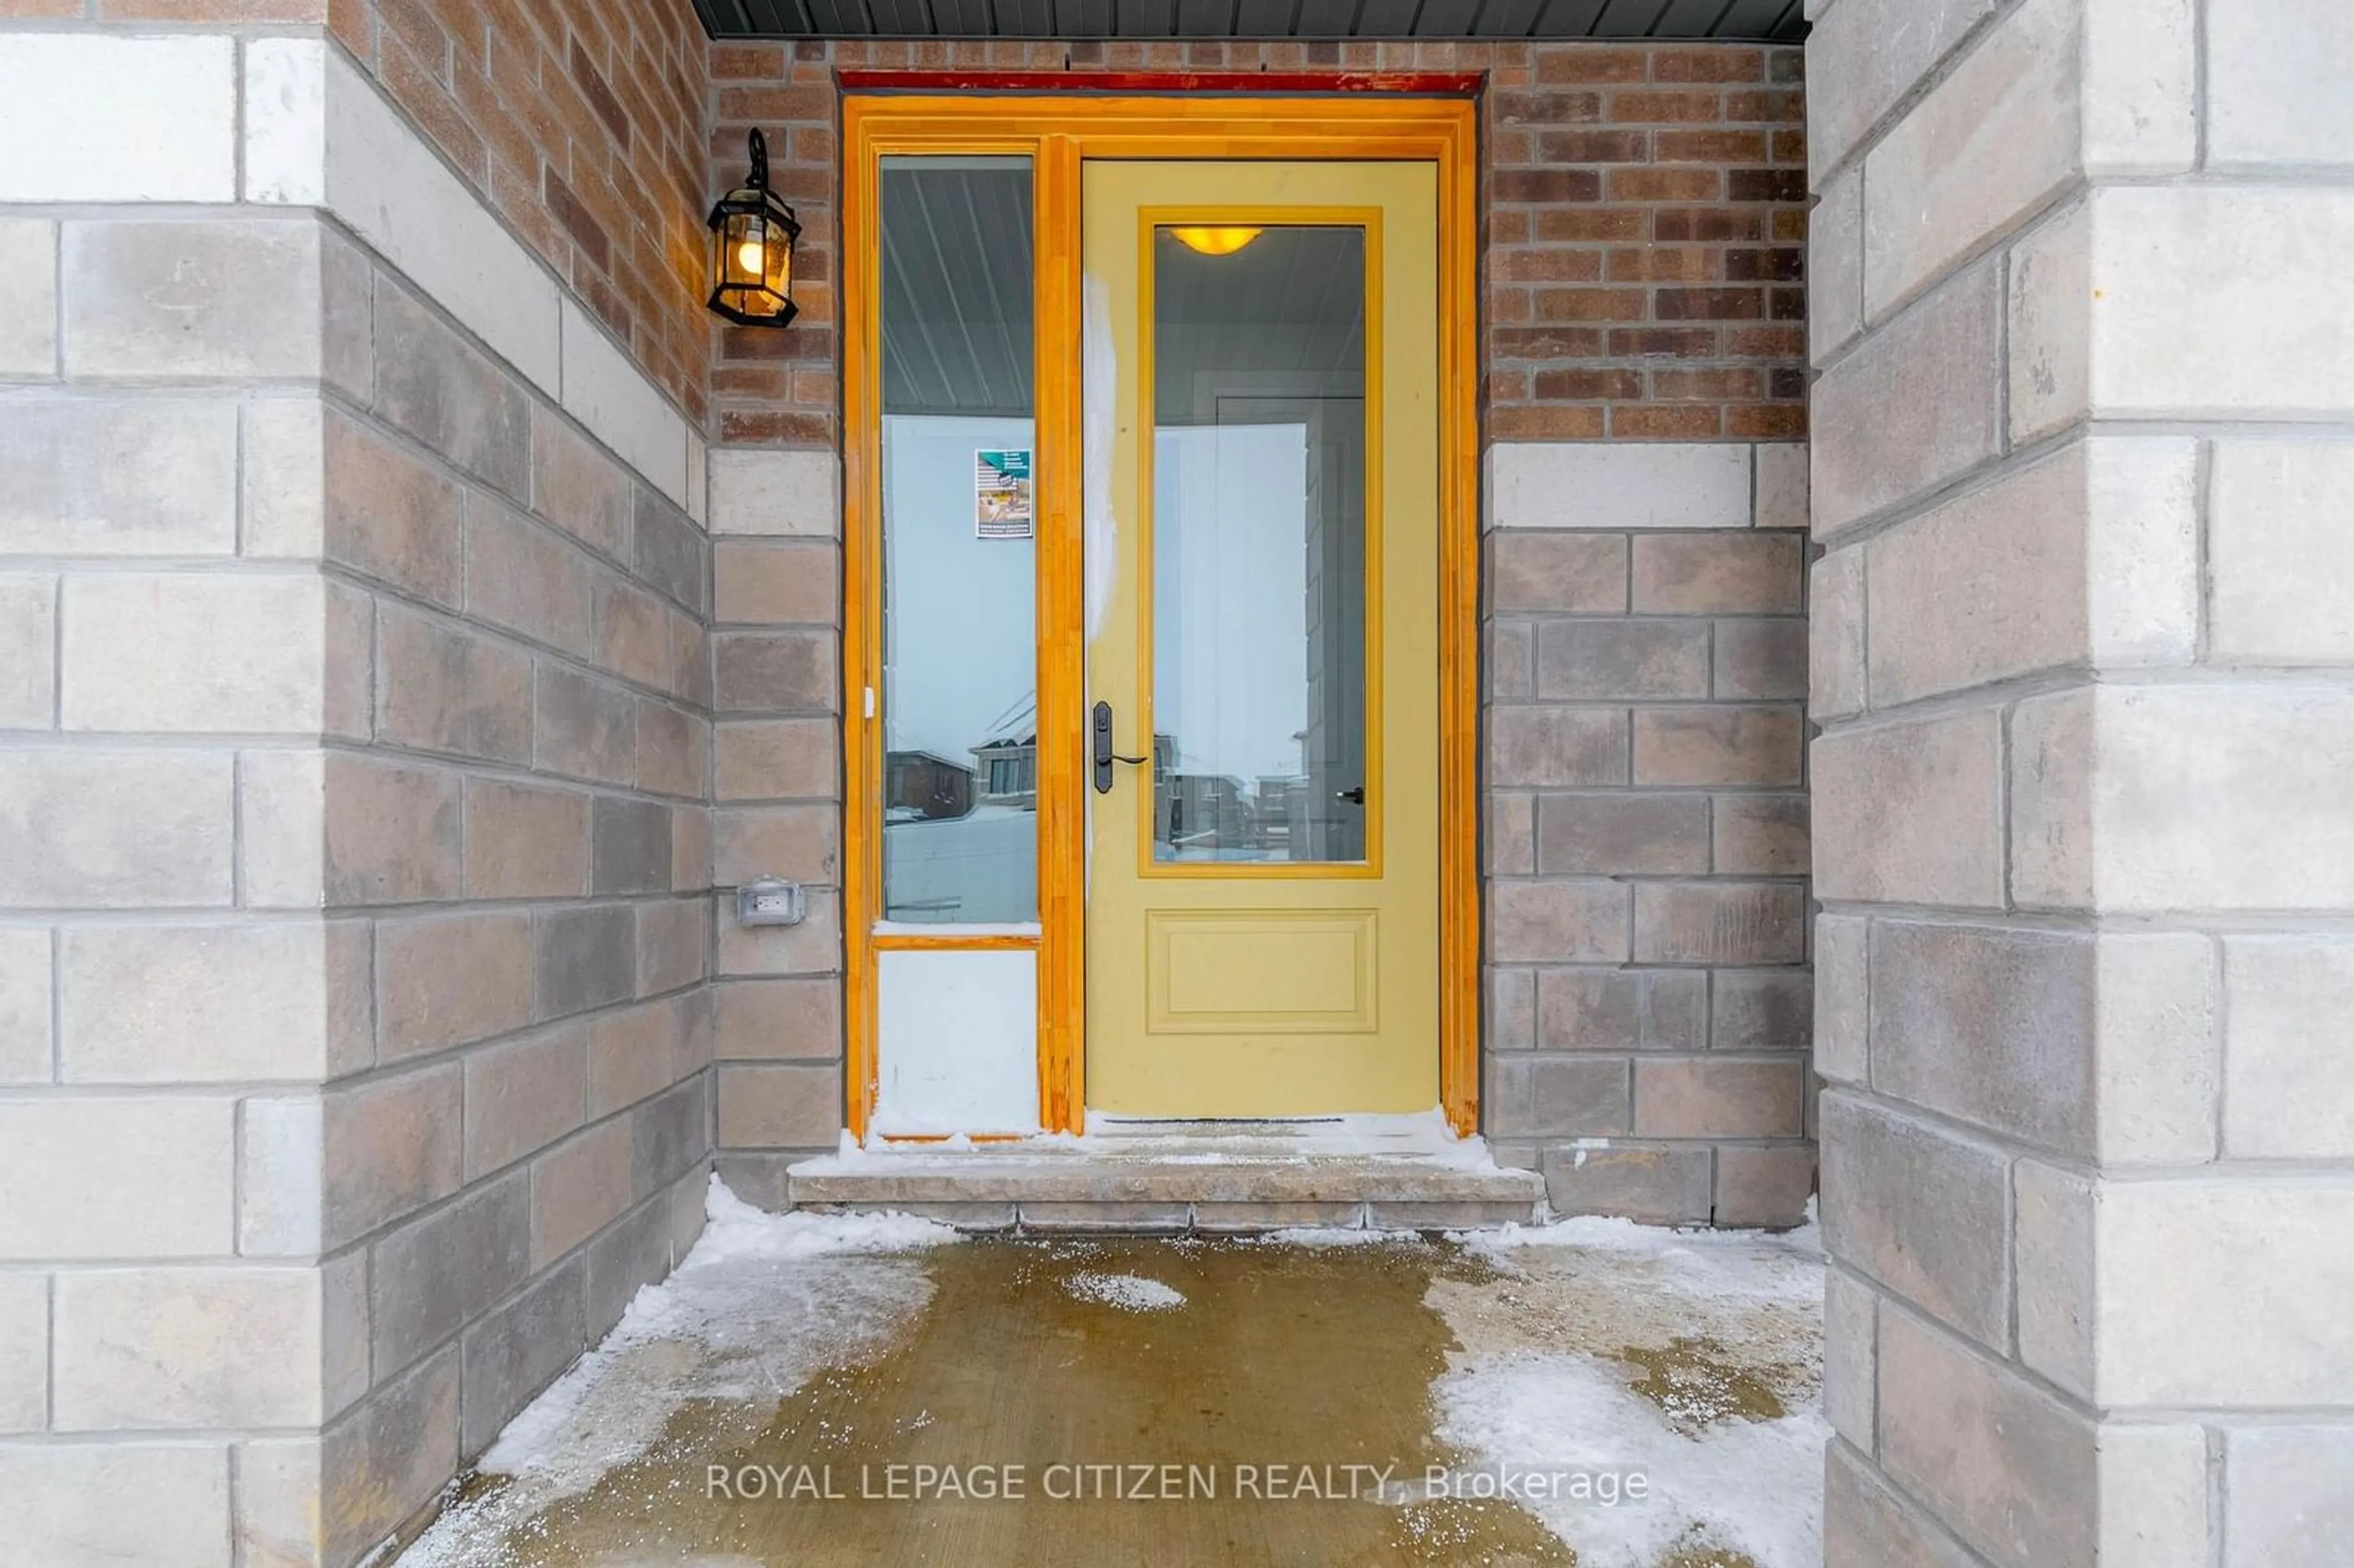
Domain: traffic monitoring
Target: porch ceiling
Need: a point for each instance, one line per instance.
(1779, 21)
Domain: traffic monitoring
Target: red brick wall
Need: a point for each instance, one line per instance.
(1645, 213)
(1646, 232)
(582, 122)
(767, 386)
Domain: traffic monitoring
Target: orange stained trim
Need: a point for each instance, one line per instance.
(1057, 132)
(1163, 82)
(1057, 483)
(1458, 634)
(950, 941)
(862, 652)
(944, 1136)
(1203, 126)
(1369, 220)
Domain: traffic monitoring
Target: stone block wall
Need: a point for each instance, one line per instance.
(353, 843)
(776, 522)
(1645, 839)
(579, 125)
(2084, 834)
(1644, 221)
(522, 826)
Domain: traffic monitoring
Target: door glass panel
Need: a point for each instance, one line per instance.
(1259, 545)
(960, 679)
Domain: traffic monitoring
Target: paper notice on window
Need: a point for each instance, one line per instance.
(1001, 494)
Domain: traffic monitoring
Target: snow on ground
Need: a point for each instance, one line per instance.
(1332, 1235)
(1609, 1350)
(1129, 1292)
(761, 1303)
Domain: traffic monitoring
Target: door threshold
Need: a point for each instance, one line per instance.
(1416, 1134)
(1419, 1135)
(1376, 1173)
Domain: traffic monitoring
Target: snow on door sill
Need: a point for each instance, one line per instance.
(1420, 1138)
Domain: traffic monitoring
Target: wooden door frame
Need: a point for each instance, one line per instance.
(1058, 130)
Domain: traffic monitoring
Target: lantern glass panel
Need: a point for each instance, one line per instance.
(777, 259)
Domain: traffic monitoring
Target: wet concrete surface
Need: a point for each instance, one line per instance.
(1257, 1422)
(825, 1390)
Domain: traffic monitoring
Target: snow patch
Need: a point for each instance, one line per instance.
(1595, 1233)
(761, 1303)
(1691, 1357)
(1129, 1292)
(1755, 1486)
(1333, 1235)
(734, 1231)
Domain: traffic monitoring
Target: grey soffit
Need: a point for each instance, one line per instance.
(1757, 21)
(957, 335)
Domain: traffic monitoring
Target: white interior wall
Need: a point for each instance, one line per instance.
(957, 1043)
(1230, 596)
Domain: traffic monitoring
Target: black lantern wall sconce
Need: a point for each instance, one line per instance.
(752, 236)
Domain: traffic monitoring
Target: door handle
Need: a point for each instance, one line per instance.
(1104, 755)
(1355, 797)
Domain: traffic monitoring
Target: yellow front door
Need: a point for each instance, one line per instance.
(1262, 560)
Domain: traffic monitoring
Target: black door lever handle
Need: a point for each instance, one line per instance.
(1355, 797)
(1101, 732)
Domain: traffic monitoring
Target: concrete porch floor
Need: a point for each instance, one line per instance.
(1407, 1173)
(1303, 1399)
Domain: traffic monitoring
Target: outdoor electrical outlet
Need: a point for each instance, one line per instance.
(771, 901)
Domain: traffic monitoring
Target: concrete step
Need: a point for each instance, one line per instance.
(1162, 1178)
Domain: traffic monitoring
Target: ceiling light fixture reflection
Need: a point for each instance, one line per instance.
(1223, 241)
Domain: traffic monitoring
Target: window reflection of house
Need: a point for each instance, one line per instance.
(1008, 771)
(1200, 816)
(1006, 760)
(924, 785)
(1209, 818)
(1279, 808)
(981, 862)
